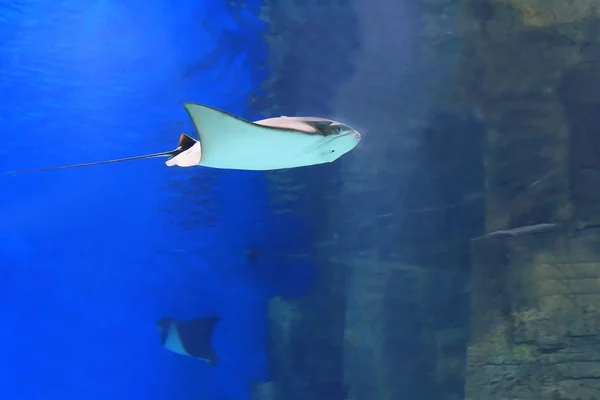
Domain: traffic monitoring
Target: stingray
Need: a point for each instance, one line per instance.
(230, 142)
(189, 338)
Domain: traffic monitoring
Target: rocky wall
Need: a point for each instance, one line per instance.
(531, 70)
(388, 316)
(535, 315)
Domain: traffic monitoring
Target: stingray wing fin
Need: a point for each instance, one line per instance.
(231, 142)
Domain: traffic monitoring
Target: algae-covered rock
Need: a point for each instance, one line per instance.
(541, 13)
(535, 315)
(523, 80)
(579, 93)
(531, 70)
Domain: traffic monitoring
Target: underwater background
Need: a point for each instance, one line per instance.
(91, 258)
(452, 255)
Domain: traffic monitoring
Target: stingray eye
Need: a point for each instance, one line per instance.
(333, 151)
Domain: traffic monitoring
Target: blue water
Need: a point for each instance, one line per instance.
(90, 258)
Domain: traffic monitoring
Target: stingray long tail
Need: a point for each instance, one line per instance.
(186, 154)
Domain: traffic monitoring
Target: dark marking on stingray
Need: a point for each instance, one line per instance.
(196, 336)
(327, 128)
